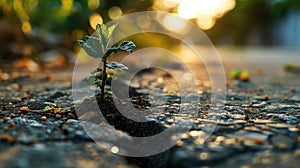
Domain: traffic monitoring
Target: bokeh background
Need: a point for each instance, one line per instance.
(39, 28)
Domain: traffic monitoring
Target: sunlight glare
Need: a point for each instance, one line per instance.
(93, 4)
(95, 18)
(188, 9)
(174, 23)
(171, 3)
(206, 12)
(206, 22)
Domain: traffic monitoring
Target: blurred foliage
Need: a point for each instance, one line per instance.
(251, 17)
(72, 17)
(63, 15)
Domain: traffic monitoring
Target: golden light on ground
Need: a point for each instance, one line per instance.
(93, 4)
(115, 12)
(95, 19)
(26, 27)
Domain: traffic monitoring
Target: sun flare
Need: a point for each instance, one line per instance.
(206, 12)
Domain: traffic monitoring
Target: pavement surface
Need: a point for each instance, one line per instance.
(258, 126)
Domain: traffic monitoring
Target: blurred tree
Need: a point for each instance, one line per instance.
(251, 22)
(248, 20)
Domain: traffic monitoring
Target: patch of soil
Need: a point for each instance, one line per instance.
(120, 122)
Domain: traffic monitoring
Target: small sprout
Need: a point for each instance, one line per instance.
(289, 66)
(6, 128)
(43, 118)
(98, 47)
(24, 108)
(292, 89)
(238, 74)
(7, 118)
(234, 73)
(259, 140)
(260, 89)
(46, 109)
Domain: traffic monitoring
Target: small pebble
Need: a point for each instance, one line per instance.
(179, 143)
(58, 116)
(227, 84)
(264, 128)
(286, 98)
(43, 118)
(12, 124)
(12, 115)
(292, 89)
(7, 118)
(266, 97)
(6, 128)
(259, 140)
(260, 89)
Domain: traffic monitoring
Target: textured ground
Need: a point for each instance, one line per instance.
(257, 127)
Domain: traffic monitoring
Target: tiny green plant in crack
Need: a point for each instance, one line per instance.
(97, 47)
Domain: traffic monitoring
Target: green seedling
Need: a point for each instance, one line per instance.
(289, 66)
(292, 67)
(240, 75)
(97, 47)
(234, 73)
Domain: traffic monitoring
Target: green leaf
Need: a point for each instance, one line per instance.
(92, 46)
(109, 92)
(110, 31)
(90, 80)
(46, 110)
(116, 66)
(104, 34)
(113, 77)
(128, 46)
(97, 70)
(98, 82)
